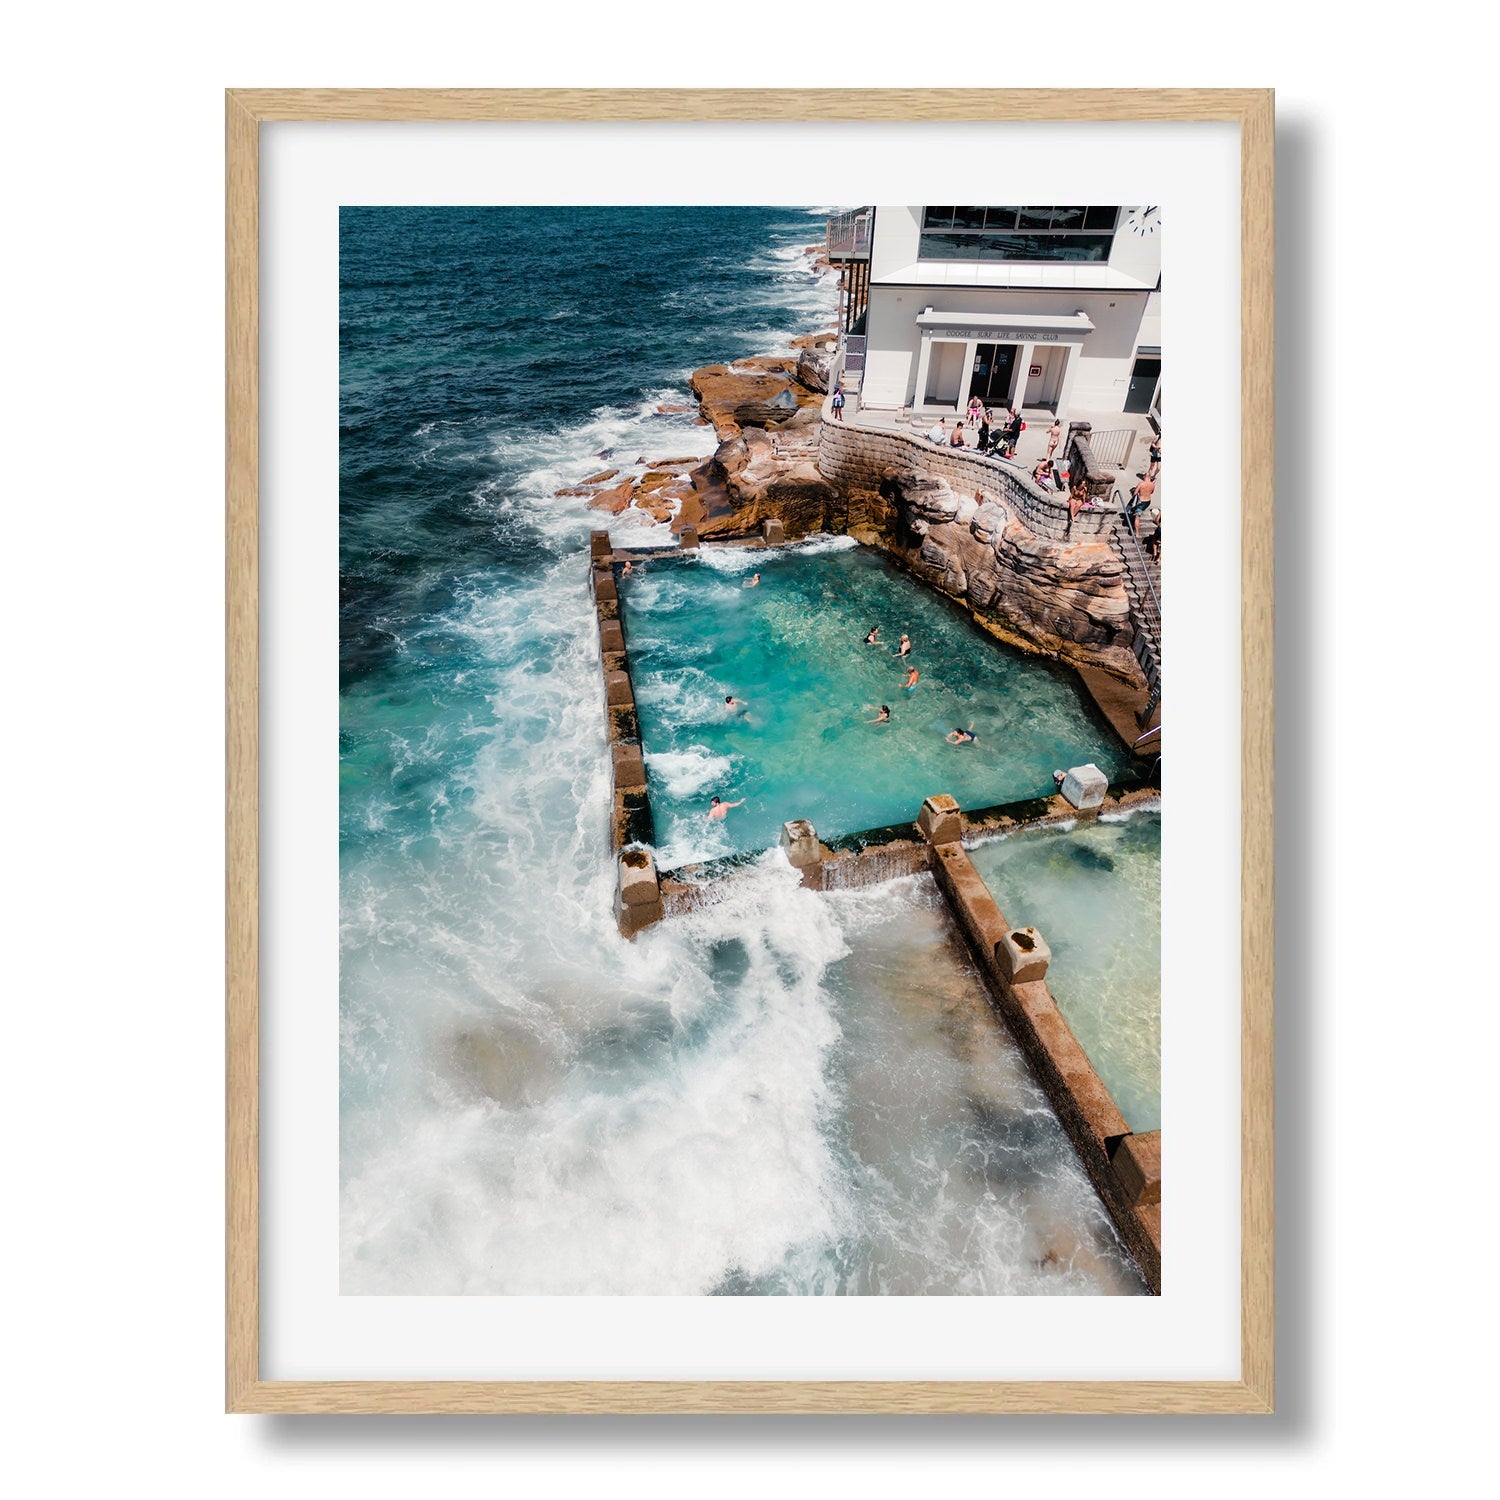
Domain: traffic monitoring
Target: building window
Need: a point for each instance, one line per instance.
(1017, 234)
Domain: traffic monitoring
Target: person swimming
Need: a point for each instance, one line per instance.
(883, 717)
(911, 679)
(873, 638)
(751, 582)
(961, 737)
(718, 809)
(904, 649)
(738, 704)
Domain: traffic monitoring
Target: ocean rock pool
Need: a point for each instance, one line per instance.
(792, 650)
(1094, 893)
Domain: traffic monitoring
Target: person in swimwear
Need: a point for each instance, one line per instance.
(873, 638)
(718, 809)
(911, 679)
(737, 704)
(752, 582)
(961, 737)
(904, 649)
(883, 717)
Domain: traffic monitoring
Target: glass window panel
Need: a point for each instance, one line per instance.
(937, 218)
(968, 218)
(1067, 218)
(1034, 218)
(1101, 218)
(946, 247)
(999, 218)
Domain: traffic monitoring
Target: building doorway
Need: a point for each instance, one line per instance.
(1144, 378)
(994, 370)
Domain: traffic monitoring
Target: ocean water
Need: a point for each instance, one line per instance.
(1094, 893)
(792, 650)
(784, 1093)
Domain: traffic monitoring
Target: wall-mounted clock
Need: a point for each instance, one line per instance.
(1144, 220)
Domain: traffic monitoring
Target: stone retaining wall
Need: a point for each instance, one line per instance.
(863, 458)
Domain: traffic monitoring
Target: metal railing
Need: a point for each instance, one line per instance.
(1145, 607)
(1113, 448)
(849, 234)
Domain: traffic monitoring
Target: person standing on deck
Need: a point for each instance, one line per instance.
(1013, 430)
(838, 403)
(1054, 436)
(984, 430)
(1154, 467)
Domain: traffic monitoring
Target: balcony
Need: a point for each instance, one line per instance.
(849, 235)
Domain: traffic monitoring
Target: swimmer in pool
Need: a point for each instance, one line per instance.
(751, 582)
(961, 737)
(904, 649)
(873, 639)
(737, 704)
(911, 679)
(883, 717)
(718, 809)
(627, 570)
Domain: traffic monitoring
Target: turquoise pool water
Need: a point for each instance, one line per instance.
(1094, 893)
(792, 648)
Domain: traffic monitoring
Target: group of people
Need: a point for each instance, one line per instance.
(913, 677)
(999, 439)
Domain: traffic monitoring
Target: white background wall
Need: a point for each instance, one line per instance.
(113, 599)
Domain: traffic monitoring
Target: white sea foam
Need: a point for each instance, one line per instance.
(686, 772)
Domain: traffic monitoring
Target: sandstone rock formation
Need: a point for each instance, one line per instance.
(755, 393)
(1065, 598)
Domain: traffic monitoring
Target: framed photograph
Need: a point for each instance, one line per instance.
(742, 957)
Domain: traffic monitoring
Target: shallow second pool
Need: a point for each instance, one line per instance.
(800, 742)
(1094, 893)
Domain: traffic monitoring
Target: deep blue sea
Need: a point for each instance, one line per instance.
(787, 1093)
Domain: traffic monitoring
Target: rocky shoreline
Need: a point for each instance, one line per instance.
(1012, 558)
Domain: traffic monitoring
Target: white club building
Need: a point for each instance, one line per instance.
(1054, 310)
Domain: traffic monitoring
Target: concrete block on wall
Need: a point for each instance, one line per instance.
(1137, 1167)
(800, 840)
(1085, 786)
(940, 820)
(629, 767)
(1023, 955)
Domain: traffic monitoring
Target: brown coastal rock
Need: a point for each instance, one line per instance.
(613, 500)
(734, 398)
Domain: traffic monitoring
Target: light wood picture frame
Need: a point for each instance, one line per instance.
(246, 1391)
